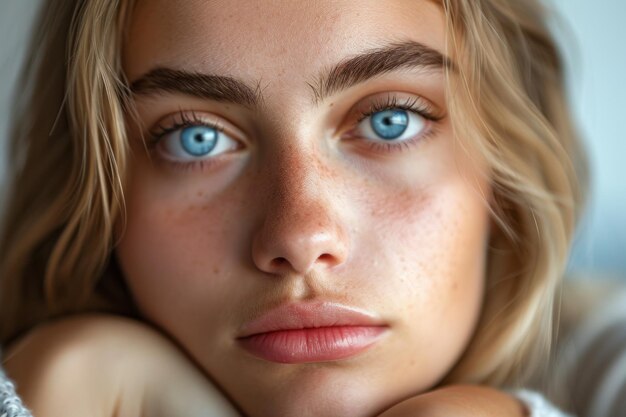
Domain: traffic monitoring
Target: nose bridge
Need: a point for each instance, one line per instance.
(297, 181)
(302, 225)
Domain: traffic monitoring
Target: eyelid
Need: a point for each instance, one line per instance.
(175, 123)
(414, 104)
(381, 101)
(390, 99)
(185, 118)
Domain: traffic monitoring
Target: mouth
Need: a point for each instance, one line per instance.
(311, 332)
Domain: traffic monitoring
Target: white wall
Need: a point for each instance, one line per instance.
(593, 37)
(15, 23)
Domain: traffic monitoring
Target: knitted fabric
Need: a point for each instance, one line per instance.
(537, 405)
(10, 403)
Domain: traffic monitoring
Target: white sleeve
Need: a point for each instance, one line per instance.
(537, 405)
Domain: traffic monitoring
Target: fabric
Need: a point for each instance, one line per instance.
(537, 404)
(10, 404)
(591, 365)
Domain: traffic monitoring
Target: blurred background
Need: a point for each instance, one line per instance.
(592, 36)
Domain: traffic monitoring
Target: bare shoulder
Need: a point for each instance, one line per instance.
(82, 365)
(109, 366)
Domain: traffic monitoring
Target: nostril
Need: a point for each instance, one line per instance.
(279, 262)
(327, 258)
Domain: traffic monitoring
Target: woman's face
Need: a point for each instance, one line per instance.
(332, 184)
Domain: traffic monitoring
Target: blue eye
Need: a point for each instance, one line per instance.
(389, 124)
(198, 140)
(195, 141)
(392, 124)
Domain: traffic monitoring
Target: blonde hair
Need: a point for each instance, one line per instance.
(508, 101)
(69, 153)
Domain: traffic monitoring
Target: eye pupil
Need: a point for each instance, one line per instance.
(198, 140)
(390, 124)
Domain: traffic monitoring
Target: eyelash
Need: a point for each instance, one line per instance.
(160, 131)
(414, 105)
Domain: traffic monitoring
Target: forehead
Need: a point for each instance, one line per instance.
(275, 40)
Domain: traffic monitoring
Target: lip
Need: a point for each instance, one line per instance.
(311, 332)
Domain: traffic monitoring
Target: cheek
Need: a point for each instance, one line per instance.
(433, 232)
(175, 250)
(431, 246)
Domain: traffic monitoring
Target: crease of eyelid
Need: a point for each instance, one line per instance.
(394, 100)
(180, 120)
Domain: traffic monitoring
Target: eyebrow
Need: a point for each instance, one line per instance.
(377, 62)
(345, 74)
(213, 87)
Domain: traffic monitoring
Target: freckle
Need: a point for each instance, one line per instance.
(216, 270)
(200, 193)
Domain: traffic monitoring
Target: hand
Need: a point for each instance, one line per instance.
(459, 401)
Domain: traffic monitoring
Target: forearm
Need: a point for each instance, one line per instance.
(107, 365)
(459, 400)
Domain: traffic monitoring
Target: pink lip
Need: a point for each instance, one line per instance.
(311, 332)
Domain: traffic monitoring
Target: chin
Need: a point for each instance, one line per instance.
(315, 405)
(320, 394)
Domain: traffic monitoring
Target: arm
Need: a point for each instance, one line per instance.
(180, 388)
(108, 366)
(54, 373)
(460, 401)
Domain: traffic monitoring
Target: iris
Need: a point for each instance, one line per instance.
(198, 140)
(390, 124)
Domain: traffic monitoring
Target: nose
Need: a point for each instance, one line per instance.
(302, 226)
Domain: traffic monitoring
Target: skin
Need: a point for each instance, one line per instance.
(295, 210)
(142, 373)
(54, 366)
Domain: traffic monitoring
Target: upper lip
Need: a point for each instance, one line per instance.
(309, 315)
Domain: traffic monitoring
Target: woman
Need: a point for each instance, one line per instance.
(331, 209)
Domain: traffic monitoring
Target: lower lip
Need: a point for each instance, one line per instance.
(312, 344)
